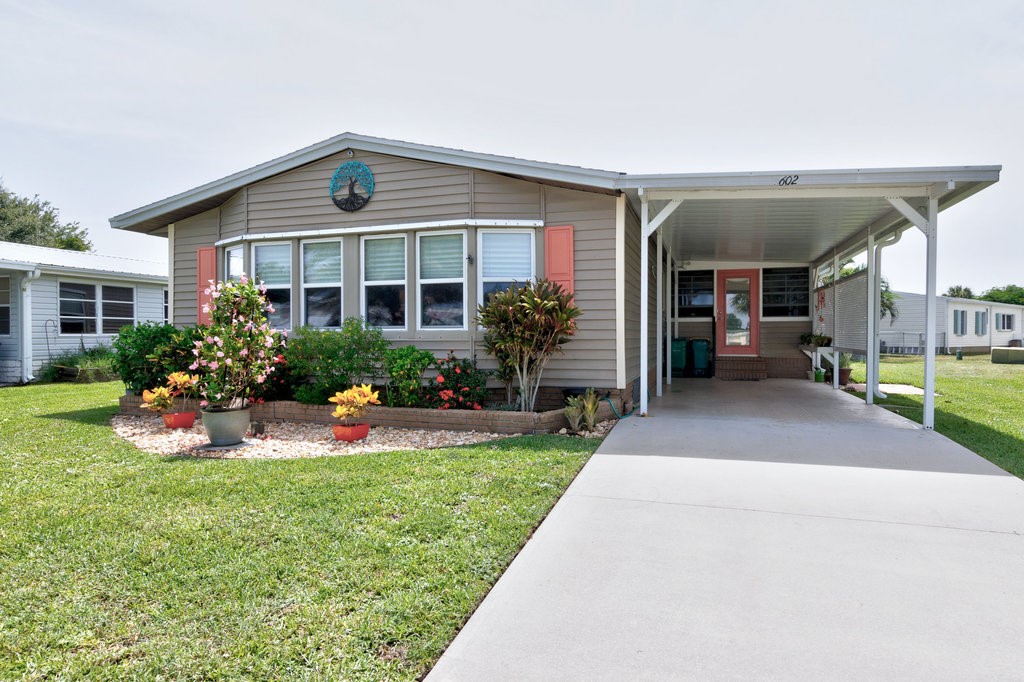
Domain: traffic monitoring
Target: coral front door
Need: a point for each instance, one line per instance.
(737, 311)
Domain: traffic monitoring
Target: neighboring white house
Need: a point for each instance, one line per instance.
(54, 300)
(966, 324)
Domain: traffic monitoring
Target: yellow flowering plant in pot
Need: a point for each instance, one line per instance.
(161, 400)
(351, 406)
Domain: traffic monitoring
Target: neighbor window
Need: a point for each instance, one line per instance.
(980, 322)
(383, 286)
(1004, 322)
(321, 283)
(505, 257)
(272, 265)
(959, 322)
(81, 312)
(784, 292)
(442, 280)
(696, 293)
(167, 307)
(5, 306)
(233, 263)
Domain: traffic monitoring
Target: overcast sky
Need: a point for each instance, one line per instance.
(108, 106)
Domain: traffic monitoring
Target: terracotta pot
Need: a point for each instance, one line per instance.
(350, 433)
(226, 427)
(179, 420)
(844, 375)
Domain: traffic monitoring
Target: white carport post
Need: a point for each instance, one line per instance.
(669, 307)
(647, 228)
(660, 305)
(871, 369)
(928, 225)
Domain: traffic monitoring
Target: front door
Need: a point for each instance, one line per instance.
(737, 310)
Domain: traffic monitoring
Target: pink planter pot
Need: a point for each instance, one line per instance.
(350, 433)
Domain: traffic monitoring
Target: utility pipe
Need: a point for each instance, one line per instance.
(876, 341)
(26, 324)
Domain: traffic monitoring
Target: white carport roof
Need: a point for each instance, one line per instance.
(752, 216)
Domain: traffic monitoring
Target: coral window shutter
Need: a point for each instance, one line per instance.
(206, 270)
(558, 256)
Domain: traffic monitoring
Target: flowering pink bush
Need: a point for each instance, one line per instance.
(239, 351)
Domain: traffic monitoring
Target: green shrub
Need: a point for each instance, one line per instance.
(100, 357)
(459, 385)
(405, 367)
(322, 361)
(175, 354)
(133, 346)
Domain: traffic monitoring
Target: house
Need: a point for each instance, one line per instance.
(54, 300)
(970, 325)
(412, 237)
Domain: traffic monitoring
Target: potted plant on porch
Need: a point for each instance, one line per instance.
(351, 406)
(235, 357)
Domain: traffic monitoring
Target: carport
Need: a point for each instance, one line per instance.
(818, 217)
(763, 530)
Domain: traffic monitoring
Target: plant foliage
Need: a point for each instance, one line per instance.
(1011, 293)
(140, 354)
(459, 385)
(525, 327)
(31, 221)
(322, 361)
(352, 404)
(405, 367)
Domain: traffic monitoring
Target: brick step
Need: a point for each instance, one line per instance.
(741, 369)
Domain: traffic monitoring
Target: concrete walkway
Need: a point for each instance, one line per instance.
(766, 530)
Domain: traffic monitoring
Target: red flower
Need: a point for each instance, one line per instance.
(458, 371)
(440, 379)
(476, 406)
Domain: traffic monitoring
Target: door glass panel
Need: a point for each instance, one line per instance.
(737, 311)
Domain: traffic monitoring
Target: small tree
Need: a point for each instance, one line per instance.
(525, 327)
(959, 291)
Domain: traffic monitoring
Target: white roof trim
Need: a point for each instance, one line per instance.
(372, 229)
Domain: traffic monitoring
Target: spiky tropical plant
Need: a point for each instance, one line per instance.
(525, 326)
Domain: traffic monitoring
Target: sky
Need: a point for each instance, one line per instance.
(108, 106)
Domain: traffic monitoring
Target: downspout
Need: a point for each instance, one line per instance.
(26, 325)
(875, 342)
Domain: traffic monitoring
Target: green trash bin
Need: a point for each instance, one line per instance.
(678, 356)
(700, 350)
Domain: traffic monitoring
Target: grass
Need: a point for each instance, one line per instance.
(978, 404)
(121, 564)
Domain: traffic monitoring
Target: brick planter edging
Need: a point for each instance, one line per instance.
(491, 421)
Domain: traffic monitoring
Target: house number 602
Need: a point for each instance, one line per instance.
(788, 180)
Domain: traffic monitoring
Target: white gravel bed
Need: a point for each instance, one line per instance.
(286, 440)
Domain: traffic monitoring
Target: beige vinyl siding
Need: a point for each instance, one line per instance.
(405, 191)
(632, 295)
(232, 216)
(781, 338)
(589, 359)
(495, 196)
(190, 234)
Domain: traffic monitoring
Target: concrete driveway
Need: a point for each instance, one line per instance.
(768, 530)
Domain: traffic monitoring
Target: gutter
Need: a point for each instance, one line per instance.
(26, 325)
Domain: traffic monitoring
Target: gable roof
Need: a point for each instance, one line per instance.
(191, 202)
(28, 257)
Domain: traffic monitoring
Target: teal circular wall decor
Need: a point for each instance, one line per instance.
(351, 186)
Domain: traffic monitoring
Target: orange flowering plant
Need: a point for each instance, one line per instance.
(352, 404)
(162, 397)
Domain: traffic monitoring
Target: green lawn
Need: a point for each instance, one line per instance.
(120, 564)
(979, 405)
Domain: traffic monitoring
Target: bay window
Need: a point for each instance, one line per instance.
(383, 281)
(233, 263)
(321, 283)
(506, 257)
(442, 280)
(272, 265)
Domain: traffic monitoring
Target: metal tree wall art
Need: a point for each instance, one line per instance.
(351, 186)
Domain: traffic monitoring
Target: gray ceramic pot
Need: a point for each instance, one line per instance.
(226, 427)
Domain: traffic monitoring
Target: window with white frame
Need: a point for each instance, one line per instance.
(784, 292)
(321, 283)
(1004, 322)
(959, 322)
(5, 306)
(505, 257)
(234, 265)
(980, 322)
(81, 312)
(167, 307)
(272, 265)
(383, 281)
(442, 280)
